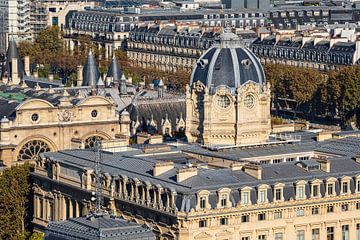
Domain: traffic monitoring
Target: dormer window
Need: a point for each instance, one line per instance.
(202, 202)
(278, 192)
(345, 187)
(330, 189)
(357, 185)
(300, 192)
(223, 200)
(315, 189)
(262, 195)
(245, 198)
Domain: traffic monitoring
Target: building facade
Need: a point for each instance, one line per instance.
(228, 101)
(301, 198)
(278, 188)
(310, 52)
(39, 115)
(168, 49)
(15, 20)
(109, 28)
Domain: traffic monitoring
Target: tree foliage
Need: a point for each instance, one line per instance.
(14, 198)
(334, 93)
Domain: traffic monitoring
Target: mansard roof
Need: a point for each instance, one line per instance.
(133, 164)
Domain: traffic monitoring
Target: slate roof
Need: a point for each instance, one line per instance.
(143, 111)
(97, 226)
(114, 70)
(228, 64)
(12, 52)
(91, 72)
(134, 164)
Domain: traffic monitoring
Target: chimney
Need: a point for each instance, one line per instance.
(236, 166)
(14, 71)
(253, 170)
(324, 164)
(357, 158)
(162, 167)
(185, 173)
(27, 65)
(79, 76)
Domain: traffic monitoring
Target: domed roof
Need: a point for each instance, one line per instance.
(228, 63)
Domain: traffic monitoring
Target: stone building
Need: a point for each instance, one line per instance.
(168, 49)
(284, 191)
(300, 186)
(228, 101)
(310, 52)
(108, 28)
(40, 115)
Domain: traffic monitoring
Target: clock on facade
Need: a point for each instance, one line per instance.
(249, 101)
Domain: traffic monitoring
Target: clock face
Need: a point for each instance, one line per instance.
(249, 101)
(223, 101)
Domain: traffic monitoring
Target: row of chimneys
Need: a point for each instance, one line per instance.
(252, 169)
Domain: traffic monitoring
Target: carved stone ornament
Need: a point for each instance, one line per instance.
(65, 115)
(198, 86)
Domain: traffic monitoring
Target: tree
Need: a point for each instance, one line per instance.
(14, 198)
(50, 39)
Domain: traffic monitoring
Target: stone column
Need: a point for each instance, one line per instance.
(148, 200)
(43, 208)
(63, 207)
(143, 194)
(172, 200)
(56, 206)
(71, 214)
(132, 191)
(136, 195)
(124, 188)
(76, 209)
(159, 201)
(167, 201)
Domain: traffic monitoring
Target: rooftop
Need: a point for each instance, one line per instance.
(97, 226)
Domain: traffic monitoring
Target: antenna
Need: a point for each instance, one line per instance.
(98, 193)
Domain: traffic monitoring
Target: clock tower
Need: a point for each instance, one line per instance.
(228, 99)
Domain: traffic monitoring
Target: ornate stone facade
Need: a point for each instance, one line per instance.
(229, 101)
(53, 121)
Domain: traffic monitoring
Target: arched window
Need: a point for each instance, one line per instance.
(32, 149)
(90, 141)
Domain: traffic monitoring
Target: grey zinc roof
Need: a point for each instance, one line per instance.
(134, 164)
(97, 226)
(91, 72)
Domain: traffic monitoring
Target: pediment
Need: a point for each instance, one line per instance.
(224, 233)
(203, 235)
